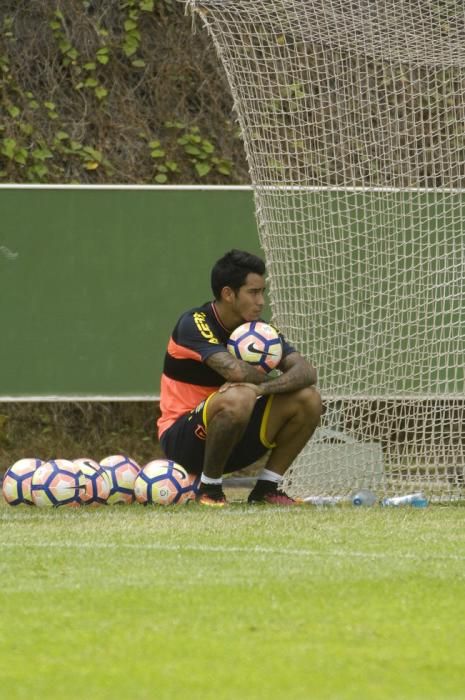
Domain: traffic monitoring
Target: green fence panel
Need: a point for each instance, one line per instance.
(92, 281)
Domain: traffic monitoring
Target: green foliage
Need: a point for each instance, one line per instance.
(91, 95)
(185, 144)
(132, 35)
(201, 152)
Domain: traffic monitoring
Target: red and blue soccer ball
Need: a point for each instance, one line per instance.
(164, 482)
(97, 482)
(58, 482)
(122, 472)
(16, 487)
(257, 343)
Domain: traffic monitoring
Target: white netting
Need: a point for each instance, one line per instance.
(353, 119)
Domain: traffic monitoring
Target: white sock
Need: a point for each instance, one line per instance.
(268, 475)
(207, 480)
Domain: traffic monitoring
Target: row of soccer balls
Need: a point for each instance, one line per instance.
(115, 480)
(118, 479)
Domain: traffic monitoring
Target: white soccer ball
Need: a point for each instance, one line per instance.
(16, 486)
(164, 482)
(257, 343)
(58, 482)
(122, 472)
(97, 482)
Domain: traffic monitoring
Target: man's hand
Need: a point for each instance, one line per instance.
(255, 387)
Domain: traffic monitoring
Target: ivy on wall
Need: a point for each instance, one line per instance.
(112, 92)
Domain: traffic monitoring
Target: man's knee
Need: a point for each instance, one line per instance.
(310, 399)
(306, 402)
(236, 402)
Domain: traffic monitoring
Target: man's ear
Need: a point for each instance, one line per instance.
(227, 294)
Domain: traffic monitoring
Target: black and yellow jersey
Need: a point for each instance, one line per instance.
(186, 379)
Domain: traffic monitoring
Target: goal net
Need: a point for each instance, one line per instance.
(353, 118)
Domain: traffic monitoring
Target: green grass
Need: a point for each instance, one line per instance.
(243, 603)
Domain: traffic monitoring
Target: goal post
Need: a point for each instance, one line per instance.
(352, 114)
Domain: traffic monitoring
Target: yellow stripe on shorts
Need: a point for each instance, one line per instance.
(264, 424)
(204, 409)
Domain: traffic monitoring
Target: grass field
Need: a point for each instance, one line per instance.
(249, 602)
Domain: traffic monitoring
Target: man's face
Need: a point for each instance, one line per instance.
(249, 300)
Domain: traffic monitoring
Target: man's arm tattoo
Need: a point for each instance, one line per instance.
(297, 373)
(234, 370)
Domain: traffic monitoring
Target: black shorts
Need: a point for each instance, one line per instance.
(184, 441)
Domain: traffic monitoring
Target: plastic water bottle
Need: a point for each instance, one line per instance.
(324, 500)
(417, 500)
(364, 497)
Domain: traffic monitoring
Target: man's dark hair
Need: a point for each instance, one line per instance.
(232, 269)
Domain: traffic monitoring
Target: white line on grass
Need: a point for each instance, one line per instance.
(228, 549)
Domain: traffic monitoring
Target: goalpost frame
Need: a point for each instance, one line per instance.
(360, 105)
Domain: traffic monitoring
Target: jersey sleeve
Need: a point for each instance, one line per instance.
(195, 334)
(287, 347)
